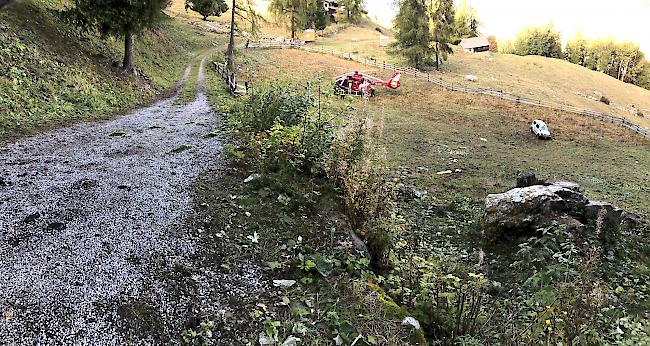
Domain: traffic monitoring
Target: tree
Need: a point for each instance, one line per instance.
(354, 9)
(494, 46)
(124, 18)
(643, 79)
(316, 16)
(543, 41)
(207, 8)
(576, 50)
(245, 10)
(413, 35)
(441, 24)
(466, 22)
(292, 10)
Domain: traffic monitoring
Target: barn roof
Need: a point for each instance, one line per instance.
(474, 42)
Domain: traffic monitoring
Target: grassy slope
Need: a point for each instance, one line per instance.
(426, 129)
(54, 77)
(530, 76)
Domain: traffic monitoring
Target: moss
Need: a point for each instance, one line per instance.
(396, 312)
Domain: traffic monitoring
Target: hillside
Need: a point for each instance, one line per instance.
(56, 77)
(528, 76)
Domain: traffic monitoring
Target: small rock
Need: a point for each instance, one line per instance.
(528, 179)
(444, 172)
(32, 217)
(55, 226)
(471, 78)
(410, 321)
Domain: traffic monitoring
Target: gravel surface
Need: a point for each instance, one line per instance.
(88, 213)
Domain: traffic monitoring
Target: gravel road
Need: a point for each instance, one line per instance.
(87, 212)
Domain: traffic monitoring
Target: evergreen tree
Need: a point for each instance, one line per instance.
(413, 35)
(124, 18)
(207, 8)
(316, 16)
(441, 23)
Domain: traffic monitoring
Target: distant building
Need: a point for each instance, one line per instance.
(475, 44)
(331, 7)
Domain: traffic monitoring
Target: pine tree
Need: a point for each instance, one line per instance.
(207, 8)
(124, 18)
(413, 34)
(441, 23)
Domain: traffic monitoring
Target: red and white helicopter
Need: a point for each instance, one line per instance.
(359, 83)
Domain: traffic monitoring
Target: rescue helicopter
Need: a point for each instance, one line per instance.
(359, 83)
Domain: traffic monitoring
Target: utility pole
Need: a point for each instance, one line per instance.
(231, 45)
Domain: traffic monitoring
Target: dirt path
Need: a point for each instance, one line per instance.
(88, 214)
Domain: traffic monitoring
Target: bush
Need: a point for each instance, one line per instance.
(351, 164)
(604, 100)
(543, 41)
(282, 129)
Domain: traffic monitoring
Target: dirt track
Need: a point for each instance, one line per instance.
(89, 218)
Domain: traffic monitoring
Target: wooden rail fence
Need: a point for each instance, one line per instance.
(231, 80)
(410, 71)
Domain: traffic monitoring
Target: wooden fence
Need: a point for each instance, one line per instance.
(231, 80)
(410, 71)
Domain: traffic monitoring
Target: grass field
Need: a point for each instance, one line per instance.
(530, 76)
(428, 130)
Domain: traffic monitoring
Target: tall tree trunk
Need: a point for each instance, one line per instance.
(127, 64)
(231, 44)
(4, 3)
(294, 24)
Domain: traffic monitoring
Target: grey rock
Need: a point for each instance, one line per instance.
(612, 217)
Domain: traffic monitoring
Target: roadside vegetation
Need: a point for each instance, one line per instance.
(54, 76)
(427, 253)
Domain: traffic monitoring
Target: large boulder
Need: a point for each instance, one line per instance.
(529, 208)
(526, 209)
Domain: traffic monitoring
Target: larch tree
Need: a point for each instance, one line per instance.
(466, 22)
(207, 8)
(413, 37)
(441, 24)
(292, 11)
(118, 18)
(245, 11)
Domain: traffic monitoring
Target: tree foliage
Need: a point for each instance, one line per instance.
(207, 8)
(442, 28)
(293, 12)
(355, 9)
(466, 22)
(120, 18)
(412, 32)
(543, 41)
(316, 16)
